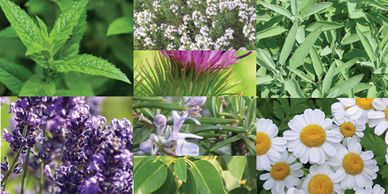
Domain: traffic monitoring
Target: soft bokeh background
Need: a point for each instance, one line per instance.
(101, 13)
(111, 107)
(244, 71)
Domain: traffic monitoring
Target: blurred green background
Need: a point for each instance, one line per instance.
(244, 71)
(111, 107)
(117, 49)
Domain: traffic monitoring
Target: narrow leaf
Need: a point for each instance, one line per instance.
(288, 44)
(367, 46)
(325, 26)
(91, 65)
(293, 88)
(328, 79)
(345, 86)
(269, 32)
(317, 63)
(302, 51)
(277, 9)
(301, 75)
(181, 169)
(316, 8)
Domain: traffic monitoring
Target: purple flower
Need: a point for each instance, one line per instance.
(202, 61)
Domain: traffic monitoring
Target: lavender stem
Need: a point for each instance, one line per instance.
(25, 171)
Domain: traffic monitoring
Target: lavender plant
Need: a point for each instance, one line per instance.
(183, 73)
(55, 51)
(322, 49)
(194, 24)
(69, 149)
(192, 126)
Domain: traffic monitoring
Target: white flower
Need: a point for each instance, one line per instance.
(283, 174)
(354, 108)
(293, 190)
(350, 129)
(311, 138)
(377, 189)
(268, 146)
(355, 169)
(320, 180)
(379, 118)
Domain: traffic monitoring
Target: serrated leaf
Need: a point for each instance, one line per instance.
(91, 65)
(316, 8)
(13, 76)
(207, 184)
(71, 47)
(293, 88)
(345, 86)
(121, 25)
(79, 85)
(288, 44)
(302, 51)
(65, 24)
(270, 32)
(37, 86)
(365, 43)
(180, 169)
(26, 29)
(276, 9)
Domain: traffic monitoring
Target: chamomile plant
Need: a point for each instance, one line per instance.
(322, 49)
(54, 48)
(322, 146)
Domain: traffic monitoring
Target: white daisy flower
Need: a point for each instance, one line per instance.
(311, 138)
(293, 190)
(355, 169)
(379, 118)
(377, 189)
(350, 129)
(283, 174)
(268, 146)
(321, 180)
(354, 108)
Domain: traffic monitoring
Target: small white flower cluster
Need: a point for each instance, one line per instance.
(330, 147)
(195, 24)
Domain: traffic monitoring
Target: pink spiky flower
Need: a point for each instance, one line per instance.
(202, 61)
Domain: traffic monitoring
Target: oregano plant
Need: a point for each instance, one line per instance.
(55, 50)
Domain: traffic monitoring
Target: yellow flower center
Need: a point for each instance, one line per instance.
(263, 143)
(320, 184)
(347, 129)
(280, 171)
(386, 113)
(364, 103)
(313, 135)
(353, 164)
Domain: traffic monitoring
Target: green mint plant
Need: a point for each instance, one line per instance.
(55, 51)
(329, 49)
(188, 175)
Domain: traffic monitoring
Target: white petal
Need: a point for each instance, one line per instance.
(314, 155)
(376, 115)
(381, 127)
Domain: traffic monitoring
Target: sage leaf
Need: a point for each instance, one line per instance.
(316, 8)
(302, 51)
(270, 32)
(293, 88)
(365, 43)
(277, 9)
(288, 44)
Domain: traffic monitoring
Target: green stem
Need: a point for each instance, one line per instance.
(25, 171)
(13, 163)
(41, 178)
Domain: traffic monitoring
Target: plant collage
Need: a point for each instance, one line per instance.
(194, 97)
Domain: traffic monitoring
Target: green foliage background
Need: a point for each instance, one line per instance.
(281, 111)
(100, 40)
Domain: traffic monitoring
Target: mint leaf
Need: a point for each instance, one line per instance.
(13, 76)
(65, 24)
(91, 65)
(37, 86)
(121, 25)
(8, 32)
(24, 26)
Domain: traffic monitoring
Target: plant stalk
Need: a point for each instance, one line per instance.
(25, 171)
